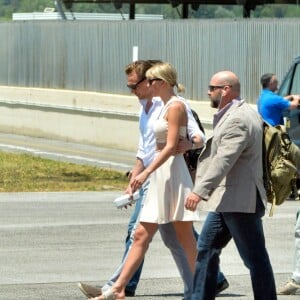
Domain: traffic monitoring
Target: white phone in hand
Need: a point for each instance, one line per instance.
(124, 200)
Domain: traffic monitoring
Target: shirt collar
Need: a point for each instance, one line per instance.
(154, 100)
(221, 112)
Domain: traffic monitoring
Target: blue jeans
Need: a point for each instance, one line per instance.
(169, 238)
(221, 276)
(247, 232)
(168, 235)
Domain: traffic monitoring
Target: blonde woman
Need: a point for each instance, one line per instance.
(170, 181)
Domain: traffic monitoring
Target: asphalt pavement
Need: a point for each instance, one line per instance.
(68, 151)
(51, 241)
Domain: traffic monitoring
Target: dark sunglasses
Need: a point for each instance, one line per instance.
(211, 88)
(134, 86)
(150, 81)
(214, 87)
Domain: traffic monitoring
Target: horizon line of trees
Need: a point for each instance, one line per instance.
(8, 7)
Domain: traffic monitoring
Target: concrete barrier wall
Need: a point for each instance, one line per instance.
(85, 117)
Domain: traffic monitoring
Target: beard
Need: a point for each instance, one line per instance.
(214, 103)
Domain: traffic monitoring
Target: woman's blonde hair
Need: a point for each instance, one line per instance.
(167, 73)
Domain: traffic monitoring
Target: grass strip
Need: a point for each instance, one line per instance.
(28, 173)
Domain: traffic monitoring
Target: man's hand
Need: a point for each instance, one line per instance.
(183, 146)
(192, 201)
(130, 193)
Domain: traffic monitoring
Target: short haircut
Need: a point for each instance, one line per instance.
(141, 67)
(265, 79)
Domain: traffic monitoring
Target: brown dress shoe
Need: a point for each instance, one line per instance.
(89, 290)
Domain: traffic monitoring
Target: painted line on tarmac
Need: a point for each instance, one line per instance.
(62, 224)
(103, 163)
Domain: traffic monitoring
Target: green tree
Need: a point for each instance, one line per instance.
(34, 5)
(217, 11)
(277, 11)
(292, 11)
(8, 7)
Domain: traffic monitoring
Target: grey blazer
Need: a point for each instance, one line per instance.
(230, 170)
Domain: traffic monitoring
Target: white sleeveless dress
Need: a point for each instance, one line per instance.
(169, 185)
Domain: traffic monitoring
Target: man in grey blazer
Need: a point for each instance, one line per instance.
(229, 180)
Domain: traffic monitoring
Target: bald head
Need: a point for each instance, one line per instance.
(224, 87)
(228, 78)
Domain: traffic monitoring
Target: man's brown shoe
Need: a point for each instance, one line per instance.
(88, 290)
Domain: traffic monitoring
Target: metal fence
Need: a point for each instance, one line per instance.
(91, 55)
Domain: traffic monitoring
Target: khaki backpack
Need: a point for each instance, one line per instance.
(281, 159)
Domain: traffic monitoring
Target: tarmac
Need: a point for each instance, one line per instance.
(51, 241)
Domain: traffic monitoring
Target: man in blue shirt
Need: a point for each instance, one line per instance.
(271, 105)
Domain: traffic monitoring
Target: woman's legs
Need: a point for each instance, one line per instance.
(142, 238)
(186, 237)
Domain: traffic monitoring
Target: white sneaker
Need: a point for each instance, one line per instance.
(290, 288)
(89, 291)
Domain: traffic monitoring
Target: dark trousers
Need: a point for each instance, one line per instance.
(247, 232)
